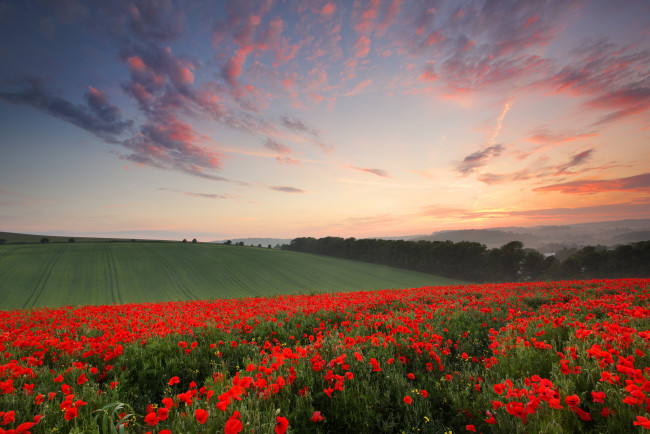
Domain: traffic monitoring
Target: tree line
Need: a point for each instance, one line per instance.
(474, 262)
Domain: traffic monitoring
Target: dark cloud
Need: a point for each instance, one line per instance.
(287, 189)
(97, 116)
(577, 160)
(298, 126)
(638, 183)
(478, 159)
(277, 147)
(378, 172)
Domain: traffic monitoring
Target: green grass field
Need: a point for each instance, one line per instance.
(35, 275)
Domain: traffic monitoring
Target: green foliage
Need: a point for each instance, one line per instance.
(53, 274)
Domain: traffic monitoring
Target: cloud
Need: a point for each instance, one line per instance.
(378, 172)
(540, 169)
(277, 147)
(171, 145)
(638, 183)
(615, 79)
(544, 135)
(287, 189)
(358, 88)
(562, 215)
(478, 159)
(199, 195)
(362, 47)
(575, 161)
(428, 74)
(297, 125)
(97, 116)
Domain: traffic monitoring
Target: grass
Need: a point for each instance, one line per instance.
(58, 274)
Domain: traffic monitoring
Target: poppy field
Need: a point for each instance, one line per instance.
(570, 356)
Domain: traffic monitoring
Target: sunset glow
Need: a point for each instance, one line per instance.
(216, 120)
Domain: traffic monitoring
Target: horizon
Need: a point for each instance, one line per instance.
(322, 118)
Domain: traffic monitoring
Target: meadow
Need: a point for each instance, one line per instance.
(58, 274)
(568, 356)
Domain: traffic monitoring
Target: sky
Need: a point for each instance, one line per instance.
(217, 120)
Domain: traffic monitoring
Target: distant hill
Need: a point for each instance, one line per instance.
(18, 238)
(548, 239)
(257, 241)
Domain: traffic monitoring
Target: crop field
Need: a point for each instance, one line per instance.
(550, 357)
(33, 275)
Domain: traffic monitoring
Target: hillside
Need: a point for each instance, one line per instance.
(53, 274)
(548, 239)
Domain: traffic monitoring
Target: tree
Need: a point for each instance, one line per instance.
(228, 243)
(3, 241)
(71, 240)
(185, 240)
(269, 246)
(45, 240)
(194, 241)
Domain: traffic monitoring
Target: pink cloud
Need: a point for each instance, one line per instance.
(328, 9)
(362, 47)
(428, 75)
(358, 88)
(638, 183)
(544, 135)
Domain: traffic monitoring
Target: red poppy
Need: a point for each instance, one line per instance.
(316, 417)
(151, 419)
(201, 415)
(281, 425)
(470, 428)
(407, 399)
(424, 393)
(572, 400)
(163, 413)
(168, 403)
(411, 376)
(174, 380)
(82, 379)
(642, 421)
(70, 413)
(499, 388)
(233, 426)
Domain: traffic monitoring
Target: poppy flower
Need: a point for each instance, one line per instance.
(598, 396)
(163, 413)
(316, 417)
(281, 425)
(410, 376)
(572, 400)
(499, 388)
(168, 403)
(174, 380)
(642, 421)
(70, 413)
(151, 419)
(407, 399)
(470, 428)
(233, 426)
(201, 415)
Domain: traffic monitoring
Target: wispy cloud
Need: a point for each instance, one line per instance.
(285, 189)
(199, 195)
(379, 172)
(638, 183)
(97, 115)
(478, 159)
